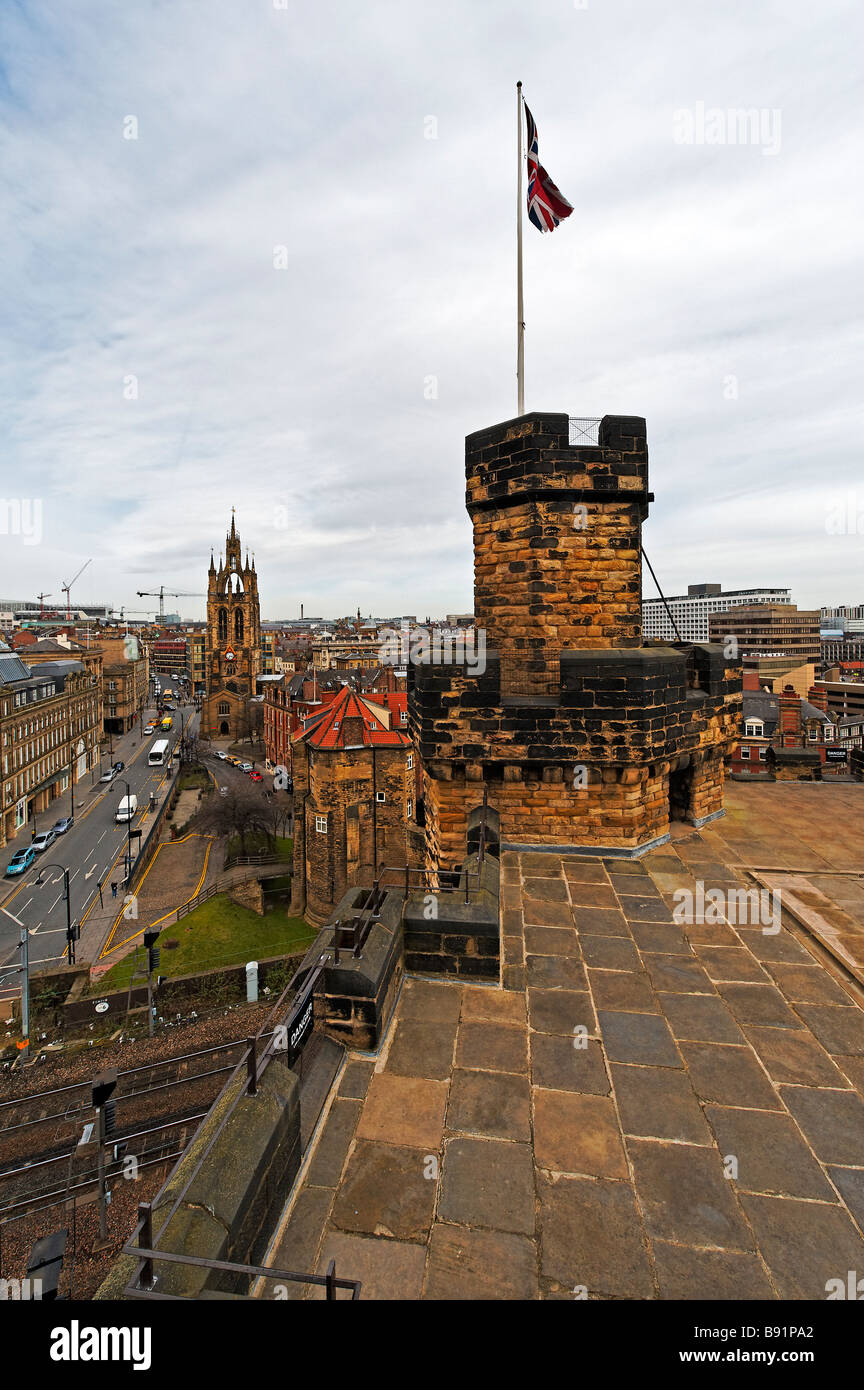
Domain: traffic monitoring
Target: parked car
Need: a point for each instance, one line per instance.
(63, 824)
(149, 728)
(245, 767)
(20, 862)
(255, 777)
(118, 767)
(44, 840)
(108, 775)
(220, 754)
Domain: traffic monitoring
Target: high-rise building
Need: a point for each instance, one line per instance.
(770, 632)
(692, 610)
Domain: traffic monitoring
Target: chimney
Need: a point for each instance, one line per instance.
(818, 696)
(789, 718)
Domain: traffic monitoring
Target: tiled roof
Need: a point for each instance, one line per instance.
(327, 728)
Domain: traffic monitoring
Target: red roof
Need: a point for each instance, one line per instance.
(326, 729)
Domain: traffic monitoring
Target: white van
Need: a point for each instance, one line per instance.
(127, 808)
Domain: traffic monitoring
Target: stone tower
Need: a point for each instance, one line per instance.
(586, 738)
(233, 642)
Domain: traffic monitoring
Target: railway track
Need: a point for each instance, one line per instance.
(47, 1151)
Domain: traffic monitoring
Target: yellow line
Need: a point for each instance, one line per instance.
(106, 949)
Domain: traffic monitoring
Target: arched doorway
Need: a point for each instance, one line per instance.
(223, 727)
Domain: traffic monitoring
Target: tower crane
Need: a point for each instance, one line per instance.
(66, 587)
(42, 598)
(160, 594)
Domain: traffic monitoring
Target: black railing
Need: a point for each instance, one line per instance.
(141, 1245)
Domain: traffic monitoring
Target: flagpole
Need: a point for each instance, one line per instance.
(520, 312)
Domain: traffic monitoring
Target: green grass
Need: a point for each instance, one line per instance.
(192, 777)
(219, 932)
(257, 843)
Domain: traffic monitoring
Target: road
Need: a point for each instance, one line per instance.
(93, 851)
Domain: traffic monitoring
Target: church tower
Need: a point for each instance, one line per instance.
(233, 642)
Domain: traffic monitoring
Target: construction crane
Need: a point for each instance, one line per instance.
(66, 587)
(160, 594)
(42, 598)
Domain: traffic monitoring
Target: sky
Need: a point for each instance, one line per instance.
(262, 254)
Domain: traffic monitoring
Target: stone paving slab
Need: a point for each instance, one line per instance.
(653, 1109)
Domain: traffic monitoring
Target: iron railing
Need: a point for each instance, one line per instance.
(144, 1248)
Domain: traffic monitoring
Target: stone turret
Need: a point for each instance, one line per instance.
(585, 737)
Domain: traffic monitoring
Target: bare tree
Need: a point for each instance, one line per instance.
(241, 812)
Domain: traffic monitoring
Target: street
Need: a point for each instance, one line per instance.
(93, 851)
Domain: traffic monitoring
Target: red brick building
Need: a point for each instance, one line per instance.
(355, 797)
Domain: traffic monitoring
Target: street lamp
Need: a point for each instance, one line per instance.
(71, 936)
(128, 832)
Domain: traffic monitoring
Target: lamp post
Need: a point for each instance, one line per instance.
(128, 832)
(70, 935)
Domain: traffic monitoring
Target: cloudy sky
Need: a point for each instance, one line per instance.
(261, 253)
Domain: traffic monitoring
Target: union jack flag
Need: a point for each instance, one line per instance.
(547, 205)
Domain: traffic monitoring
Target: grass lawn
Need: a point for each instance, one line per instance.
(192, 777)
(219, 932)
(257, 843)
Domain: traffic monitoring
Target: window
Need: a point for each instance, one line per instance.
(813, 734)
(321, 825)
(753, 728)
(224, 707)
(745, 754)
(410, 808)
(410, 763)
(763, 754)
(380, 796)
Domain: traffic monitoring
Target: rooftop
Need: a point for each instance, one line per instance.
(706, 1141)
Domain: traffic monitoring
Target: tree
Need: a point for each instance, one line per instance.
(241, 812)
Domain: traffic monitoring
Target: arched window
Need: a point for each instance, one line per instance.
(238, 625)
(222, 624)
(224, 707)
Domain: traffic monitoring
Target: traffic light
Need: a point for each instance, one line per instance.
(103, 1086)
(151, 936)
(109, 1115)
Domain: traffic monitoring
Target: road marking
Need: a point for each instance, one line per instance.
(24, 906)
(55, 902)
(71, 876)
(102, 836)
(91, 873)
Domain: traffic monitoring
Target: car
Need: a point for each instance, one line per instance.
(149, 728)
(255, 777)
(245, 767)
(108, 775)
(118, 767)
(220, 754)
(20, 862)
(63, 824)
(44, 840)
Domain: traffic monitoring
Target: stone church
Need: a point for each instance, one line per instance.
(233, 642)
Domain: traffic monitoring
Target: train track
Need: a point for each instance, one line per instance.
(48, 1153)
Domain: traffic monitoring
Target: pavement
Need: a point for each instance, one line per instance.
(645, 1108)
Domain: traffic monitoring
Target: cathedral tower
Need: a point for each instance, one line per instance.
(233, 642)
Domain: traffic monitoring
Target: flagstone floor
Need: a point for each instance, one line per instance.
(644, 1110)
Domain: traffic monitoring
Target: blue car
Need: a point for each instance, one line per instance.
(20, 861)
